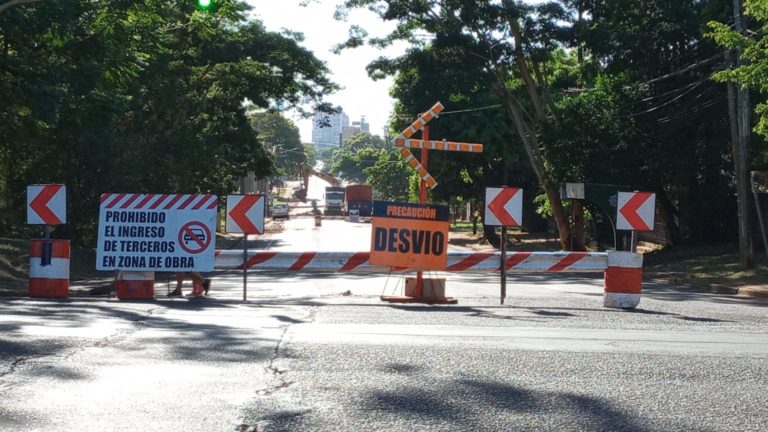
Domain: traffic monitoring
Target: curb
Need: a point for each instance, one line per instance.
(756, 291)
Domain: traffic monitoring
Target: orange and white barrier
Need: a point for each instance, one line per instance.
(411, 159)
(423, 119)
(439, 145)
(135, 285)
(549, 262)
(50, 280)
(623, 280)
(623, 270)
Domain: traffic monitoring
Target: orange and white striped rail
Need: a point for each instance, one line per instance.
(623, 270)
(457, 261)
(439, 145)
(422, 121)
(414, 163)
(50, 280)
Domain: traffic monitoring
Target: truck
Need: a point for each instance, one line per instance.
(360, 198)
(334, 200)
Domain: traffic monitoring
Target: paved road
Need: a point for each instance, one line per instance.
(321, 352)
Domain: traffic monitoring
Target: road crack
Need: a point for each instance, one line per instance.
(273, 367)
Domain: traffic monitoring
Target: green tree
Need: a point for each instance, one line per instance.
(364, 140)
(281, 136)
(144, 96)
(509, 42)
(359, 152)
(309, 150)
(390, 177)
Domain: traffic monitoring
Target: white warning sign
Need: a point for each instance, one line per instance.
(157, 232)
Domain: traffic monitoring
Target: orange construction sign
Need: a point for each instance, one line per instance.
(408, 235)
(404, 143)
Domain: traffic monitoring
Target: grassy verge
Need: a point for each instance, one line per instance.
(14, 264)
(705, 266)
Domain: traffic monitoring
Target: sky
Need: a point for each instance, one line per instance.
(360, 95)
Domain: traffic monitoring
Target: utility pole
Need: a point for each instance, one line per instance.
(741, 156)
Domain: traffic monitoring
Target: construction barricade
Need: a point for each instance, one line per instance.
(49, 268)
(623, 270)
(134, 285)
(623, 280)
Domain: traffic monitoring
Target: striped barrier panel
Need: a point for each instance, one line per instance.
(51, 280)
(136, 201)
(457, 261)
(423, 119)
(623, 280)
(414, 163)
(135, 285)
(439, 145)
(623, 270)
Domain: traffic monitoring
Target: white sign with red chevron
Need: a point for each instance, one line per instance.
(635, 211)
(245, 214)
(503, 206)
(156, 232)
(47, 204)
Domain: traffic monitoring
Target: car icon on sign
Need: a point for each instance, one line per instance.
(198, 232)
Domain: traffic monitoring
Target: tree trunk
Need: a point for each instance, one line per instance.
(531, 145)
(577, 207)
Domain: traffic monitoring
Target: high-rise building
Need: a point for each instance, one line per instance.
(327, 130)
(356, 128)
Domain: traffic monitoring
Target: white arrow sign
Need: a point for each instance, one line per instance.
(635, 211)
(47, 204)
(503, 206)
(245, 214)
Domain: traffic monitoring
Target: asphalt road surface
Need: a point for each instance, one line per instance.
(321, 352)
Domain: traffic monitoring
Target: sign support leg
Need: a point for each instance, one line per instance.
(245, 267)
(422, 200)
(503, 263)
(47, 252)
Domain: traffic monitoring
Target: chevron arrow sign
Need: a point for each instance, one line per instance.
(47, 204)
(635, 211)
(245, 214)
(503, 206)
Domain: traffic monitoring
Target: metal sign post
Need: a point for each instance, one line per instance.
(503, 263)
(245, 267)
(47, 252)
(245, 214)
(503, 207)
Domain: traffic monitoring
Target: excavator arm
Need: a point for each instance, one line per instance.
(306, 171)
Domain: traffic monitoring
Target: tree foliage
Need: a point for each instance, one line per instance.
(602, 91)
(358, 153)
(281, 137)
(751, 74)
(391, 177)
(139, 96)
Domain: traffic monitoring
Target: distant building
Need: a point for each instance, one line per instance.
(356, 128)
(327, 130)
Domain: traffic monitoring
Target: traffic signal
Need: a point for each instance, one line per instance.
(206, 5)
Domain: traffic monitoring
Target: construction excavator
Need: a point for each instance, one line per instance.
(305, 171)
